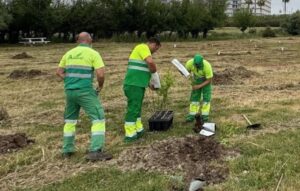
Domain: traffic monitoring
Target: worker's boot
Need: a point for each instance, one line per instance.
(190, 118)
(98, 156)
(67, 155)
(130, 139)
(198, 124)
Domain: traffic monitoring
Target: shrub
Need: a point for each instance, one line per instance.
(166, 83)
(268, 32)
(292, 24)
(252, 31)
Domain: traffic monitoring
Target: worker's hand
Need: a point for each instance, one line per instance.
(196, 87)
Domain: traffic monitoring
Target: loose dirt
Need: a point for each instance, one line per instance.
(195, 156)
(16, 74)
(10, 143)
(23, 55)
(232, 75)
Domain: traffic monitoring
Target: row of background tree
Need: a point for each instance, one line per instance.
(105, 18)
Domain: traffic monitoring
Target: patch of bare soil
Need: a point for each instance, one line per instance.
(23, 55)
(9, 143)
(16, 74)
(195, 156)
(232, 75)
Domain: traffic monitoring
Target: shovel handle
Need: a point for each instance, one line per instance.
(248, 121)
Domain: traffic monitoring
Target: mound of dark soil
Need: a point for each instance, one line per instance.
(23, 55)
(191, 155)
(3, 114)
(232, 75)
(16, 74)
(9, 143)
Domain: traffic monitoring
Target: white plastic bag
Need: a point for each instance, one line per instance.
(155, 81)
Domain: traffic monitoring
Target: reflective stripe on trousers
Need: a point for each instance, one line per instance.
(194, 108)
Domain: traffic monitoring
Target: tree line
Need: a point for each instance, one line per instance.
(105, 18)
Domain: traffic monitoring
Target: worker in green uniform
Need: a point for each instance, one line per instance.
(139, 70)
(77, 68)
(202, 74)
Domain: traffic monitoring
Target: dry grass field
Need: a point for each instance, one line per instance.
(267, 91)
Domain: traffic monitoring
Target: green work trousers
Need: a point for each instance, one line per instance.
(201, 99)
(89, 101)
(135, 96)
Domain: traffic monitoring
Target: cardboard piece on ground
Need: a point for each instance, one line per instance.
(208, 129)
(180, 68)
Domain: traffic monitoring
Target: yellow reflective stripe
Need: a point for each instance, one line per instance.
(138, 68)
(139, 125)
(76, 75)
(98, 127)
(137, 61)
(130, 129)
(69, 128)
(194, 108)
(205, 108)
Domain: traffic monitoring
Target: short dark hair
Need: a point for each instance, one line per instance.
(154, 40)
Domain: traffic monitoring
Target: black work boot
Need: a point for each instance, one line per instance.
(199, 123)
(98, 156)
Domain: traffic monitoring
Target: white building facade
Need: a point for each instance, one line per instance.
(234, 5)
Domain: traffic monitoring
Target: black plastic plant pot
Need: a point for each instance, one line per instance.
(161, 121)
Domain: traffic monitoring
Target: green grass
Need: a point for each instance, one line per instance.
(263, 160)
(105, 179)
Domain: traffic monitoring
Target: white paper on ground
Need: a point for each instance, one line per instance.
(208, 129)
(155, 81)
(181, 68)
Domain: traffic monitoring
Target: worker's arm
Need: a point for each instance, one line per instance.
(151, 64)
(100, 77)
(60, 72)
(199, 86)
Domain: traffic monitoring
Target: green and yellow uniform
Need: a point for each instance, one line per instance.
(136, 80)
(203, 94)
(79, 64)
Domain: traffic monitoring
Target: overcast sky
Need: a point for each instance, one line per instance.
(291, 7)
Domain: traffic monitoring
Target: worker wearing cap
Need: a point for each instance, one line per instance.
(202, 75)
(77, 69)
(139, 70)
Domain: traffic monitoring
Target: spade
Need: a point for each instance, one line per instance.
(251, 126)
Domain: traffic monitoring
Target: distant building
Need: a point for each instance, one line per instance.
(234, 5)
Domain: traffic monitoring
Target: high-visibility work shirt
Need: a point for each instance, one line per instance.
(79, 64)
(199, 75)
(138, 73)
